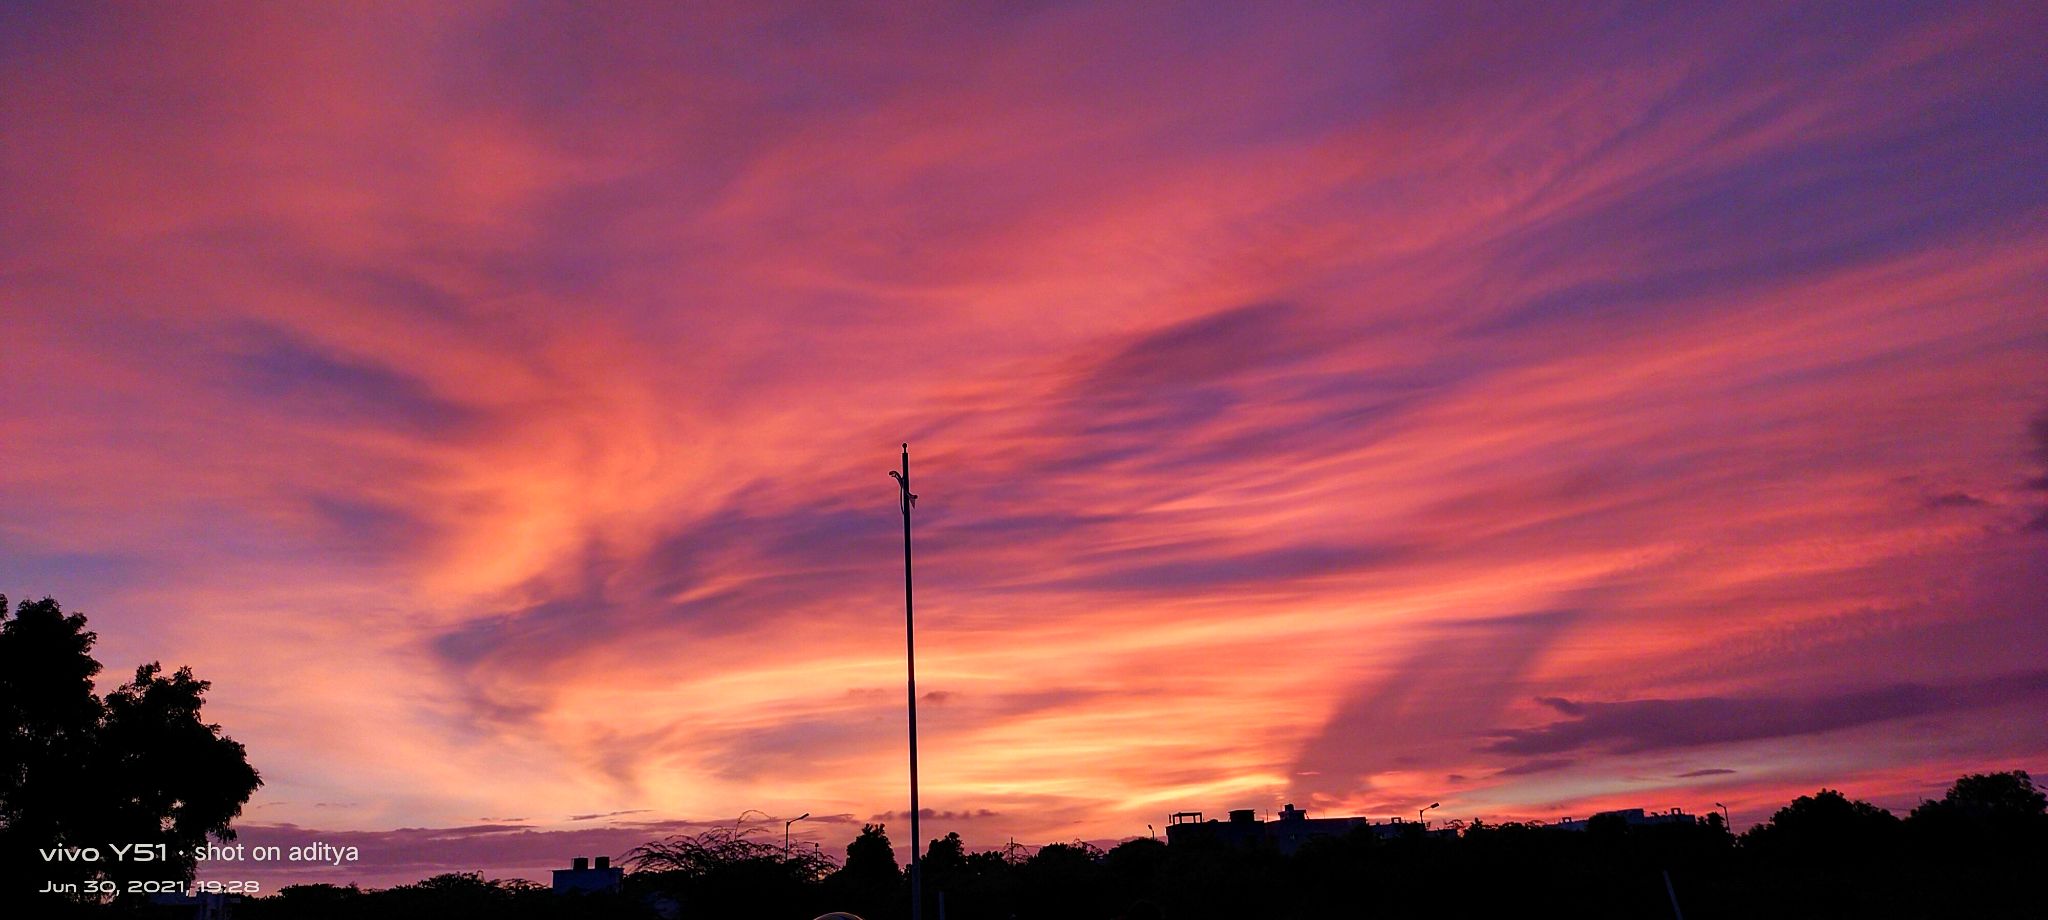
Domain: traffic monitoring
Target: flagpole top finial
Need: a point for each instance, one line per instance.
(906, 445)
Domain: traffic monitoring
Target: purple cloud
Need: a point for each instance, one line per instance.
(1635, 726)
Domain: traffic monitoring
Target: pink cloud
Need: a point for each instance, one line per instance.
(496, 413)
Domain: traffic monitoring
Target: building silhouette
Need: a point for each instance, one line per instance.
(582, 877)
(1632, 817)
(1286, 833)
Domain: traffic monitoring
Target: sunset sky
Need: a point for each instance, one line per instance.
(1532, 409)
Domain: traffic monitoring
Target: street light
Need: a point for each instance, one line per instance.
(785, 831)
(1419, 811)
(1727, 823)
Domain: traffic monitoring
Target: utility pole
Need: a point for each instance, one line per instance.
(907, 499)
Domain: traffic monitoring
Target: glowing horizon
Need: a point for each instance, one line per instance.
(1535, 413)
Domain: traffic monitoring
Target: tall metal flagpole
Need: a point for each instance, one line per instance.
(908, 498)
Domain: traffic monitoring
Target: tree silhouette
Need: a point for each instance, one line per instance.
(1826, 855)
(139, 766)
(1064, 880)
(946, 854)
(869, 883)
(726, 871)
(1822, 823)
(48, 716)
(1988, 801)
(870, 856)
(1823, 855)
(1968, 846)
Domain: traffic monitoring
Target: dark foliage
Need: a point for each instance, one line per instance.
(726, 872)
(1974, 853)
(869, 884)
(139, 766)
(456, 894)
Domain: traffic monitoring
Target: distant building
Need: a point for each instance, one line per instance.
(1633, 817)
(1287, 833)
(581, 877)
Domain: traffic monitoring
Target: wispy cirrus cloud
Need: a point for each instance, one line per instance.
(497, 414)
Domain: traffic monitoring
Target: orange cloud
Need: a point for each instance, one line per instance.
(496, 413)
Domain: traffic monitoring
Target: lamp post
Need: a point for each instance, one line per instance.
(785, 831)
(1727, 823)
(907, 499)
(1419, 811)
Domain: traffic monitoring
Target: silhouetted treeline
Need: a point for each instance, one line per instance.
(137, 764)
(1977, 852)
